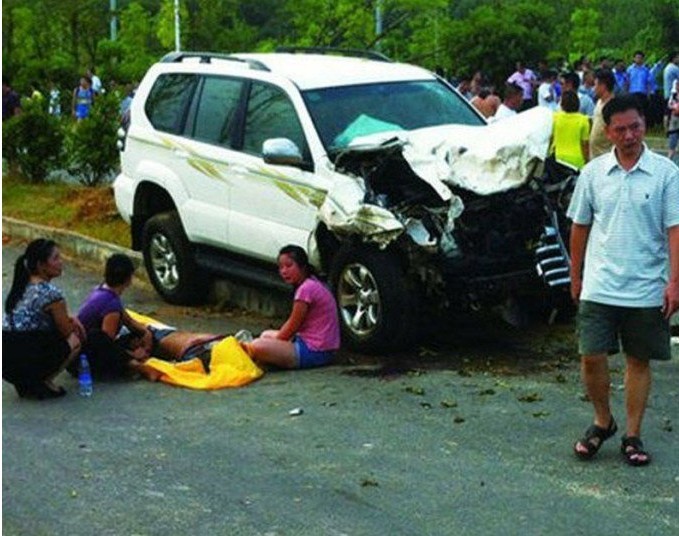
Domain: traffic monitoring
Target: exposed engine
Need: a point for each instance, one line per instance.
(480, 240)
(500, 230)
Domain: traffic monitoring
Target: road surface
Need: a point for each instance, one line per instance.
(469, 434)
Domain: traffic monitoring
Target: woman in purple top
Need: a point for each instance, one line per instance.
(311, 334)
(103, 315)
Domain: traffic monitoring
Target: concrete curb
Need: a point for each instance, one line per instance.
(79, 245)
(223, 293)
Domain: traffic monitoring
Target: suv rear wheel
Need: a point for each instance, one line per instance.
(374, 299)
(168, 257)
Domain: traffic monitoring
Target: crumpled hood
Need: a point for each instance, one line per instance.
(483, 159)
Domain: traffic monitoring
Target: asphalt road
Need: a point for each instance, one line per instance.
(470, 434)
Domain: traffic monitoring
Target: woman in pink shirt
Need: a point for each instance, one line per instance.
(311, 334)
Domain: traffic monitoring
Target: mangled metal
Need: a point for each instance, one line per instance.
(409, 181)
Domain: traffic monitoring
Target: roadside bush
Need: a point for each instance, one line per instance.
(33, 141)
(91, 143)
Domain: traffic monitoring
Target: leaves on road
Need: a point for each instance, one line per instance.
(531, 397)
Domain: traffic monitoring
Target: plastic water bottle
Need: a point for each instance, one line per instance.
(244, 335)
(85, 377)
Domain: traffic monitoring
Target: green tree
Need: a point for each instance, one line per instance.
(33, 141)
(585, 32)
(137, 43)
(165, 24)
(221, 26)
(481, 42)
(91, 143)
(329, 23)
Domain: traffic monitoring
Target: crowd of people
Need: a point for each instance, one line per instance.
(577, 94)
(82, 97)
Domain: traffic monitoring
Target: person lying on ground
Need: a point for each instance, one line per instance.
(39, 338)
(310, 336)
(169, 343)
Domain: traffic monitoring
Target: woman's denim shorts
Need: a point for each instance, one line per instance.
(307, 358)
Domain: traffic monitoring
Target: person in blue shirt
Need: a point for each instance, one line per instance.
(670, 74)
(639, 79)
(640, 84)
(656, 103)
(669, 77)
(621, 80)
(83, 98)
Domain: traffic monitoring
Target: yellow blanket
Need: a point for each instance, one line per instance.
(230, 366)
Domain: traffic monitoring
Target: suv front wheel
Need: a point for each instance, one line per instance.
(374, 298)
(168, 257)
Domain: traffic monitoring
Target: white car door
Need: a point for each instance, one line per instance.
(272, 205)
(203, 158)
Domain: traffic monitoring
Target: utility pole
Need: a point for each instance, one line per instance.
(378, 23)
(114, 19)
(177, 31)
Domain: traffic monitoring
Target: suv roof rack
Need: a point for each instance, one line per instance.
(351, 52)
(207, 57)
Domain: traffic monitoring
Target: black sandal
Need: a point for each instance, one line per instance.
(593, 433)
(632, 449)
(42, 391)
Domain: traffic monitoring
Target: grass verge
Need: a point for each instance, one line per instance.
(87, 210)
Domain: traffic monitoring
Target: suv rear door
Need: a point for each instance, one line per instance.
(203, 157)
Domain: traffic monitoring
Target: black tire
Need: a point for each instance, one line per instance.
(168, 257)
(374, 299)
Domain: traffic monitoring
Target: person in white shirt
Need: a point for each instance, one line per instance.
(624, 245)
(96, 82)
(546, 93)
(511, 103)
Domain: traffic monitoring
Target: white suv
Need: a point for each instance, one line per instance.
(398, 189)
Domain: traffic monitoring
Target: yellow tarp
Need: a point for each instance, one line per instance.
(230, 366)
(146, 320)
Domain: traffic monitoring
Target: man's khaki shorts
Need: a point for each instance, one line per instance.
(644, 331)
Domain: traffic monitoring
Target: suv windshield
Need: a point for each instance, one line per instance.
(344, 113)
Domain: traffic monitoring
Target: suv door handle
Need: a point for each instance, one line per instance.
(180, 153)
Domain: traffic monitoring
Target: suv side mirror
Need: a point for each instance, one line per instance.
(282, 151)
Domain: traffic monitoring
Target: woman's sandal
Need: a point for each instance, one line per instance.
(42, 391)
(593, 439)
(632, 448)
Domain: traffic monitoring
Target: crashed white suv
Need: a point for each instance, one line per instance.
(401, 193)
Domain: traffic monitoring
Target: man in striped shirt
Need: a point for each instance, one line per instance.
(625, 212)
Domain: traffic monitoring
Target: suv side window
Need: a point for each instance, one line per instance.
(167, 102)
(270, 114)
(217, 110)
